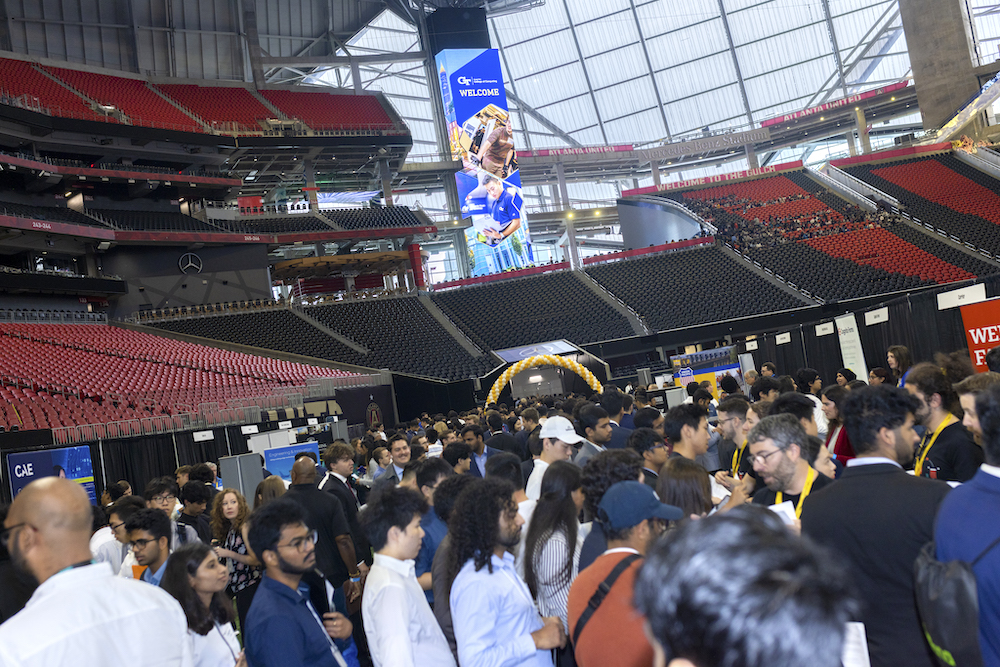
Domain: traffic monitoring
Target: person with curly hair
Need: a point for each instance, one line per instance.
(599, 474)
(494, 616)
(229, 526)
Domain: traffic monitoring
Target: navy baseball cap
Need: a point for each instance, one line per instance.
(628, 504)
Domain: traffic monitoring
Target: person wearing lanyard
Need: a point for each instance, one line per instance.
(947, 451)
(777, 458)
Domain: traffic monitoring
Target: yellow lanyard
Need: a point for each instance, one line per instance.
(810, 476)
(925, 447)
(738, 458)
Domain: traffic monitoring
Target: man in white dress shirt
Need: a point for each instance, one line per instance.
(81, 614)
(558, 437)
(399, 624)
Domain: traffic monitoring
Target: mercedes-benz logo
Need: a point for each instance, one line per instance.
(189, 263)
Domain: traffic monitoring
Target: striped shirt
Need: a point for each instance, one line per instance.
(550, 565)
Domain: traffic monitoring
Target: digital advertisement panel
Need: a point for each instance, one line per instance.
(70, 462)
(481, 133)
(279, 460)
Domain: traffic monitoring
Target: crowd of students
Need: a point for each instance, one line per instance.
(740, 528)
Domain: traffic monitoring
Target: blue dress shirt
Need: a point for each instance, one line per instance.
(151, 577)
(434, 531)
(494, 617)
(282, 629)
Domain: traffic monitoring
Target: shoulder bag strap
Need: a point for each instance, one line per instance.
(602, 592)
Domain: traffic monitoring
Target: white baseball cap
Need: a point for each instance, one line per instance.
(559, 428)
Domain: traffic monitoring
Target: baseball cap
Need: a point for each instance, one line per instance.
(559, 428)
(628, 504)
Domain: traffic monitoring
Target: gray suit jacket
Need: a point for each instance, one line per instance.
(587, 452)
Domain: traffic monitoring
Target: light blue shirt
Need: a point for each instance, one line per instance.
(494, 617)
(151, 577)
(480, 461)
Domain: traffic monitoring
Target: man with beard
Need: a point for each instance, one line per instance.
(596, 426)
(775, 448)
(283, 626)
(80, 614)
(878, 518)
(947, 451)
(495, 619)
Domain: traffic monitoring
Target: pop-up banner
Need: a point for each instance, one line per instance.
(982, 330)
(481, 134)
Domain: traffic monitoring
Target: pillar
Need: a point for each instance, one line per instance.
(654, 168)
(461, 254)
(752, 161)
(851, 147)
(866, 142)
(563, 190)
(91, 259)
(417, 265)
(386, 175)
(311, 193)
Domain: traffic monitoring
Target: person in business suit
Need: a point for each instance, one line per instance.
(498, 440)
(473, 437)
(649, 444)
(339, 461)
(529, 426)
(596, 425)
(877, 517)
(399, 449)
(613, 401)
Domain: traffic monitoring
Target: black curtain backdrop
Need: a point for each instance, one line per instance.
(190, 452)
(139, 460)
(823, 352)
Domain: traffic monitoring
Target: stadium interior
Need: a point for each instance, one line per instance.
(241, 213)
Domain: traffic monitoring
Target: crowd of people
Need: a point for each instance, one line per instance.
(757, 523)
(745, 223)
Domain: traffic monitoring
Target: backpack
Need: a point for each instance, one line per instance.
(949, 607)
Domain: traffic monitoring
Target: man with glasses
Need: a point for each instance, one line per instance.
(284, 627)
(650, 446)
(80, 614)
(431, 473)
(775, 447)
(120, 512)
(149, 537)
(161, 494)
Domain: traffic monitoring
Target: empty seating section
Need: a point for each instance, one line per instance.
(281, 225)
(942, 250)
(272, 330)
(830, 278)
(224, 106)
(883, 250)
(324, 111)
(49, 213)
(158, 221)
(401, 334)
(130, 96)
(374, 218)
(691, 287)
(944, 192)
(18, 78)
(67, 374)
(532, 310)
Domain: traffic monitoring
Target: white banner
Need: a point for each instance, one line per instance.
(876, 316)
(850, 345)
(824, 329)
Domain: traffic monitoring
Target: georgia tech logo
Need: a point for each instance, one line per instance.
(464, 80)
(189, 263)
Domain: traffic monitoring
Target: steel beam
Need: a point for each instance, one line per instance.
(736, 61)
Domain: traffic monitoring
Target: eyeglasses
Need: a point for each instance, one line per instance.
(762, 458)
(163, 499)
(7, 533)
(141, 544)
(300, 542)
(116, 526)
(726, 421)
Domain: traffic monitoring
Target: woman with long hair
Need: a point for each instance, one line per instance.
(551, 549)
(685, 484)
(268, 490)
(229, 527)
(196, 578)
(837, 441)
(899, 361)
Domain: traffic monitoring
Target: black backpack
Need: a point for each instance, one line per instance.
(949, 607)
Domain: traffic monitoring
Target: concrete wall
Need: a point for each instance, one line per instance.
(644, 224)
(155, 280)
(940, 42)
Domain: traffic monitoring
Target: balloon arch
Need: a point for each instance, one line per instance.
(542, 360)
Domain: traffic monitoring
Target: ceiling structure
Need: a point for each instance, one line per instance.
(578, 73)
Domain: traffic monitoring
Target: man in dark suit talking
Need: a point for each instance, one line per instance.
(878, 518)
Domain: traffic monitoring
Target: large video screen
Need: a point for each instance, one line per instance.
(70, 462)
(481, 133)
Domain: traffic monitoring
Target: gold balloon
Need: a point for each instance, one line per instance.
(535, 362)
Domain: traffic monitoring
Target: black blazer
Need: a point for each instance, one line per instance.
(877, 518)
(325, 515)
(350, 505)
(619, 437)
(473, 468)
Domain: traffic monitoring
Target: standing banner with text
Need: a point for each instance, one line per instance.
(69, 462)
(850, 345)
(481, 134)
(982, 330)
